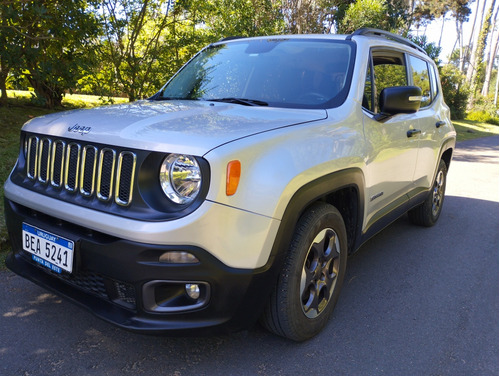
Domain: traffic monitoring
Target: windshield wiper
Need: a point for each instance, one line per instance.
(243, 101)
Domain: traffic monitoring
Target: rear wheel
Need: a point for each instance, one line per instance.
(310, 282)
(427, 213)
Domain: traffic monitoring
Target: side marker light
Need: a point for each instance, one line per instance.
(233, 174)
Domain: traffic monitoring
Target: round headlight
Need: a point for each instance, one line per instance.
(180, 178)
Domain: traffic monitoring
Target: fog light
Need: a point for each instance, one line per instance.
(178, 258)
(193, 290)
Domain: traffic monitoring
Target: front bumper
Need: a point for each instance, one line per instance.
(116, 280)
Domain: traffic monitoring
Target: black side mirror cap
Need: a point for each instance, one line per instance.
(400, 100)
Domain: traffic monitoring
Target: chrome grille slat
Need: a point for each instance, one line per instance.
(44, 160)
(107, 159)
(57, 163)
(125, 178)
(32, 158)
(72, 167)
(84, 169)
(87, 177)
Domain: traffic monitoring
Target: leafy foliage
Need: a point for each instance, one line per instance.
(132, 47)
(455, 91)
(430, 47)
(364, 13)
(382, 14)
(49, 43)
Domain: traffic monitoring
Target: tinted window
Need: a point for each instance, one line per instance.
(421, 79)
(284, 73)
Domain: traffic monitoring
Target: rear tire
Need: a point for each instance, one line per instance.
(309, 284)
(427, 213)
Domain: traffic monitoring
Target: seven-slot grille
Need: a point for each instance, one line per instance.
(84, 169)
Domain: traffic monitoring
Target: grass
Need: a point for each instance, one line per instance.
(19, 110)
(70, 100)
(468, 129)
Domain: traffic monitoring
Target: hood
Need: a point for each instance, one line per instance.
(190, 127)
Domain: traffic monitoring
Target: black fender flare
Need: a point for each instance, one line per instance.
(308, 194)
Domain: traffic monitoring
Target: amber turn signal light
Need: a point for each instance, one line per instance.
(232, 177)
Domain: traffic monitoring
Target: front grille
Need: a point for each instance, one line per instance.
(85, 169)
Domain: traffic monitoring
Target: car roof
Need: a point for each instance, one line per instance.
(374, 35)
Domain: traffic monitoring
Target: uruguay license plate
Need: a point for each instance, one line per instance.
(49, 250)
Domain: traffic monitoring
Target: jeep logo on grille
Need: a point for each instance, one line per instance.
(79, 129)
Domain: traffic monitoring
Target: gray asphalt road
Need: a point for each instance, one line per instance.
(415, 302)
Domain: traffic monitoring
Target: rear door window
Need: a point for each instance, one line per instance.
(420, 75)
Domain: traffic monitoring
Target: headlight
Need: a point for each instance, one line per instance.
(180, 178)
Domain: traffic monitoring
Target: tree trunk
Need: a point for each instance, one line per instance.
(460, 37)
(52, 96)
(492, 53)
(442, 28)
(3, 85)
(468, 47)
(473, 55)
(480, 46)
(495, 101)
(489, 68)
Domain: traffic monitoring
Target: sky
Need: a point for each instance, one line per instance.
(433, 31)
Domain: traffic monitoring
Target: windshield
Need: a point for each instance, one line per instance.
(301, 73)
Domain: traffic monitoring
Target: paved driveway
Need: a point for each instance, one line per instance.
(415, 302)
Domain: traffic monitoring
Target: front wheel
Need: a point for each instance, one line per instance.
(427, 213)
(309, 284)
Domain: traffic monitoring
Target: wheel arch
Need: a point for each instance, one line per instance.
(446, 153)
(343, 189)
(446, 156)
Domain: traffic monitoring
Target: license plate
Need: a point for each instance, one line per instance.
(49, 250)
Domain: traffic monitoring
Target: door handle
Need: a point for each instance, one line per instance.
(440, 123)
(413, 132)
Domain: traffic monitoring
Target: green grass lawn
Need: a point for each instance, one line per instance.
(468, 130)
(20, 110)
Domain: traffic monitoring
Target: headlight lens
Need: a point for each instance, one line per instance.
(180, 178)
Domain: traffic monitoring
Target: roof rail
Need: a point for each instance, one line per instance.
(388, 35)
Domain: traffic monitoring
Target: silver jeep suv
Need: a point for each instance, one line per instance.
(237, 192)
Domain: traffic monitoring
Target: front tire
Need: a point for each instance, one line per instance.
(309, 284)
(427, 213)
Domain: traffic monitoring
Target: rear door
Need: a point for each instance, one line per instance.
(430, 124)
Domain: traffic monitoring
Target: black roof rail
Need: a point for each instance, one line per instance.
(388, 35)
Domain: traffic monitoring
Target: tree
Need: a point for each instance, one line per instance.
(430, 47)
(472, 54)
(455, 90)
(479, 53)
(388, 15)
(429, 10)
(493, 51)
(47, 42)
(226, 18)
(10, 45)
(134, 32)
(307, 16)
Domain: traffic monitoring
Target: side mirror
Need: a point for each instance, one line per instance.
(400, 100)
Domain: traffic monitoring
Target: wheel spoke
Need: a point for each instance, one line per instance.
(438, 193)
(319, 272)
